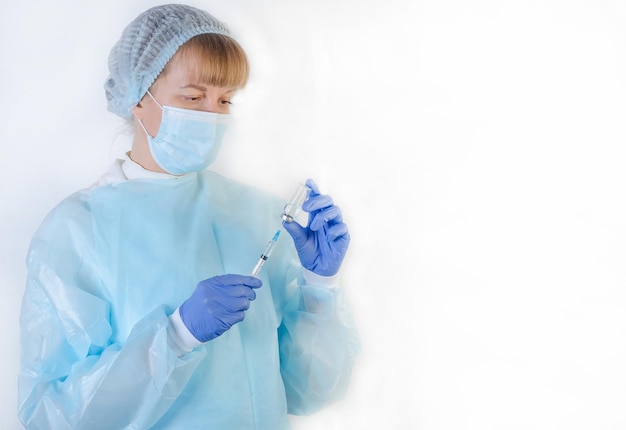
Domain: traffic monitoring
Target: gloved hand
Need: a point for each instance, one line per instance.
(217, 304)
(323, 243)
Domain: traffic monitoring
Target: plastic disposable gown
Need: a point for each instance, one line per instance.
(107, 267)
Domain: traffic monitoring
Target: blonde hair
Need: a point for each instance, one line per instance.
(218, 60)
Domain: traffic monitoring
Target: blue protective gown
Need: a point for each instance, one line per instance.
(107, 267)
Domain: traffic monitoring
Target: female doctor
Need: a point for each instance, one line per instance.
(139, 311)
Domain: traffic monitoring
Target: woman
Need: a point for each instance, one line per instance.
(139, 311)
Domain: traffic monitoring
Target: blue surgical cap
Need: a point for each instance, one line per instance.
(146, 45)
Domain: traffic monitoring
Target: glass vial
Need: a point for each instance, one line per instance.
(292, 208)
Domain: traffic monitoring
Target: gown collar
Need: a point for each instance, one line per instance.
(132, 170)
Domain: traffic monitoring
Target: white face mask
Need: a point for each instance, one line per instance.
(187, 140)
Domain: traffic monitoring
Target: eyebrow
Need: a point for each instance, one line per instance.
(203, 88)
(197, 87)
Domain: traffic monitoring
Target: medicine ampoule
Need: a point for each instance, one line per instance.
(292, 208)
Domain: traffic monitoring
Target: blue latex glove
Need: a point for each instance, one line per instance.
(323, 243)
(217, 304)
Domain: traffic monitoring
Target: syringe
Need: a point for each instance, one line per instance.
(266, 253)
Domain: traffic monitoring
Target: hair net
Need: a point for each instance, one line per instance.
(146, 45)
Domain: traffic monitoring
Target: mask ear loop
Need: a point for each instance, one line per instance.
(144, 129)
(141, 123)
(155, 100)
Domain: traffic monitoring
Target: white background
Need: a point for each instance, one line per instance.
(475, 147)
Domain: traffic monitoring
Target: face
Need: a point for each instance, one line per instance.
(176, 87)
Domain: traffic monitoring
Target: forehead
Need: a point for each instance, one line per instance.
(201, 61)
(182, 78)
(184, 67)
(217, 61)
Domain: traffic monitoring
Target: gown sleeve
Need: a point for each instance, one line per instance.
(318, 344)
(73, 375)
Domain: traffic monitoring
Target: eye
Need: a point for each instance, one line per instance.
(226, 102)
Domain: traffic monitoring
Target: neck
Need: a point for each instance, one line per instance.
(140, 152)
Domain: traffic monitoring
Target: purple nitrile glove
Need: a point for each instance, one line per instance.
(323, 243)
(217, 304)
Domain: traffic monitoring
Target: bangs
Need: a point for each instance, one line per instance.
(216, 60)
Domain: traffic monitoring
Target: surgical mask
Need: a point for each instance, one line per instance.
(187, 140)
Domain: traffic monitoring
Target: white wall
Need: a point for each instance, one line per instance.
(477, 151)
